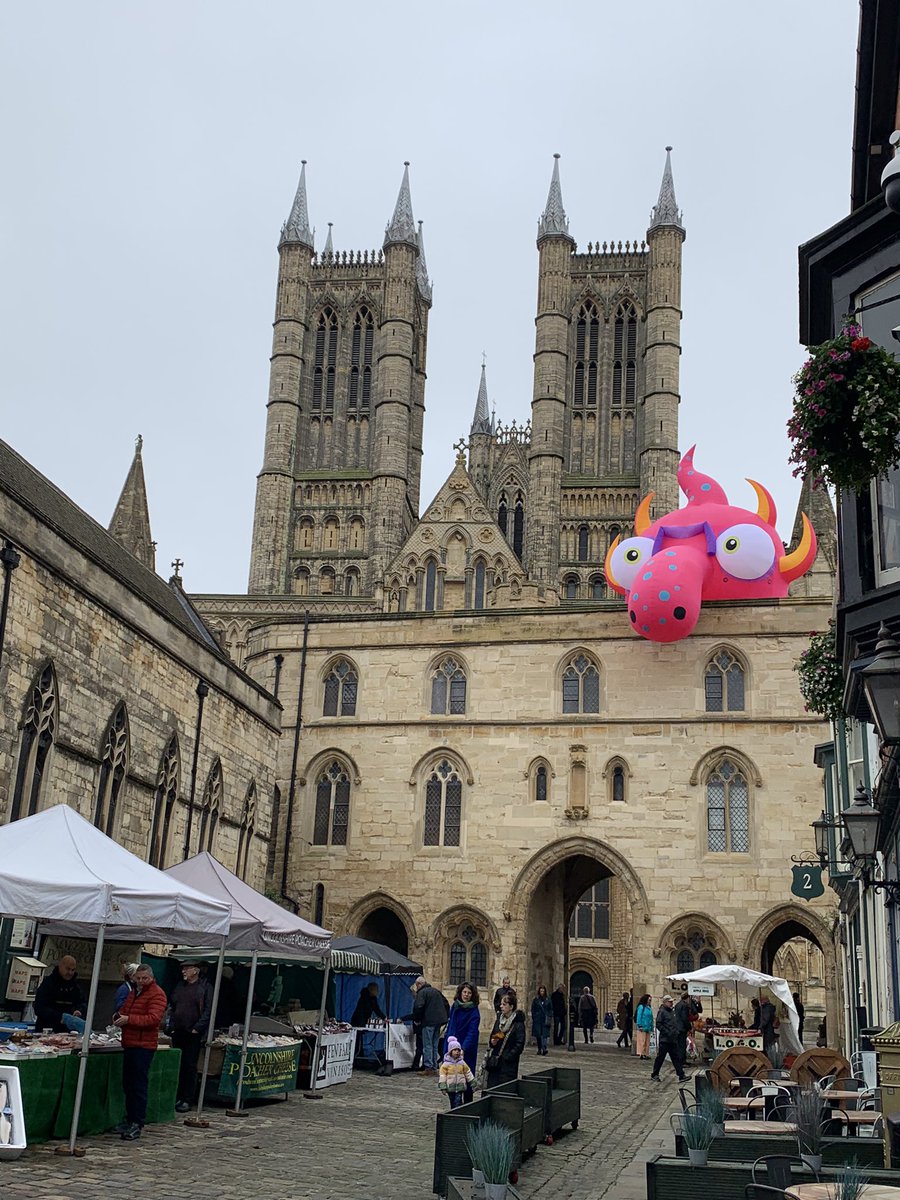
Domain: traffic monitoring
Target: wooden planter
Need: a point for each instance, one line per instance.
(565, 1096)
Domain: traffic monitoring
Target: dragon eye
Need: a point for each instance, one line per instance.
(628, 557)
(745, 551)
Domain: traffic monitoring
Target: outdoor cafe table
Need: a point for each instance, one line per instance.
(827, 1191)
(48, 1092)
(740, 1128)
(860, 1116)
(839, 1097)
(745, 1104)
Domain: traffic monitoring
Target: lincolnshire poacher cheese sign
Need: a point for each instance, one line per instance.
(267, 1073)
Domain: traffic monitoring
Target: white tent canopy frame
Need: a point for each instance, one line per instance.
(263, 928)
(748, 982)
(56, 868)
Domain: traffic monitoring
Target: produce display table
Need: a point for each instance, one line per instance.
(48, 1093)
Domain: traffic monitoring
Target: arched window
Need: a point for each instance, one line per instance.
(727, 810)
(692, 948)
(518, 541)
(357, 533)
(581, 685)
(624, 355)
(590, 920)
(587, 355)
(326, 582)
(708, 959)
(448, 689)
(210, 808)
(351, 582)
(38, 734)
(570, 587)
(598, 587)
(361, 361)
(684, 962)
(301, 582)
(618, 784)
(341, 687)
(305, 534)
(540, 783)
(724, 683)
(503, 513)
(480, 577)
(332, 814)
(113, 768)
(443, 805)
(319, 904)
(430, 584)
(330, 535)
(583, 542)
(247, 830)
(325, 362)
(468, 958)
(539, 777)
(164, 797)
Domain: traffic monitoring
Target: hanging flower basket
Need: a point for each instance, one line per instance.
(845, 426)
(821, 678)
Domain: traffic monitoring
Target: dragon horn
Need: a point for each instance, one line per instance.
(607, 567)
(795, 564)
(642, 516)
(699, 488)
(765, 505)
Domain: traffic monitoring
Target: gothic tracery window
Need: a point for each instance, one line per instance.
(164, 797)
(728, 809)
(724, 683)
(113, 768)
(581, 685)
(430, 585)
(341, 689)
(332, 815)
(361, 361)
(468, 958)
(587, 355)
(583, 543)
(590, 919)
(448, 689)
(443, 805)
(480, 577)
(518, 539)
(247, 830)
(325, 362)
(210, 808)
(624, 355)
(38, 735)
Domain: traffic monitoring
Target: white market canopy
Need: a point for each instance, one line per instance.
(56, 868)
(748, 981)
(257, 923)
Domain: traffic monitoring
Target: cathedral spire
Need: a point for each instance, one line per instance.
(554, 222)
(296, 228)
(328, 252)
(666, 210)
(422, 270)
(402, 227)
(481, 422)
(130, 524)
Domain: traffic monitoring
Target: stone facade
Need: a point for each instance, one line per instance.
(101, 660)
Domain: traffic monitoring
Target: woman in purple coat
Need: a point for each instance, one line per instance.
(464, 1023)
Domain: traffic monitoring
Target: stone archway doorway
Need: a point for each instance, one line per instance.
(385, 927)
(802, 939)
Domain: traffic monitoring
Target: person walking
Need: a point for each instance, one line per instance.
(431, 1010)
(588, 1014)
(464, 1025)
(541, 1019)
(506, 1043)
(501, 992)
(767, 1026)
(801, 1013)
(643, 1026)
(667, 1029)
(455, 1077)
(139, 1019)
(558, 1003)
(625, 1021)
(684, 1023)
(190, 1007)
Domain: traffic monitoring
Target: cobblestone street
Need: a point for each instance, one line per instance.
(371, 1139)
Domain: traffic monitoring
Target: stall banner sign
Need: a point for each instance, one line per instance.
(725, 1039)
(335, 1058)
(23, 935)
(269, 1071)
(701, 989)
(401, 1045)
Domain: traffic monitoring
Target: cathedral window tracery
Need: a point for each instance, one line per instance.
(480, 578)
(361, 361)
(587, 355)
(448, 689)
(443, 805)
(113, 768)
(325, 362)
(332, 814)
(430, 585)
(247, 830)
(581, 685)
(341, 689)
(164, 797)
(728, 809)
(723, 683)
(210, 808)
(38, 735)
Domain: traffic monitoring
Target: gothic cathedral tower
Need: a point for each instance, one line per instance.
(339, 488)
(604, 425)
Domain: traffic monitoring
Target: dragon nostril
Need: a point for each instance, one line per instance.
(633, 615)
(679, 614)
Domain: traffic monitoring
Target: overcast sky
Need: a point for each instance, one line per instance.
(151, 153)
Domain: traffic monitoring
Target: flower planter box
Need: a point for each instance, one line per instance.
(450, 1154)
(676, 1179)
(565, 1096)
(536, 1115)
(869, 1152)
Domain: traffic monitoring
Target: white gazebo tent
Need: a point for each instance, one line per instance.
(748, 982)
(261, 928)
(56, 868)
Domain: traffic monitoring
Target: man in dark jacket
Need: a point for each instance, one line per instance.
(684, 1019)
(58, 995)
(501, 991)
(667, 1031)
(558, 1000)
(190, 1005)
(431, 1011)
(767, 1025)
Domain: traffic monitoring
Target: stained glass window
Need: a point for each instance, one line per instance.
(728, 810)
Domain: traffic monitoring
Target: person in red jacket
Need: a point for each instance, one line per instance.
(140, 1018)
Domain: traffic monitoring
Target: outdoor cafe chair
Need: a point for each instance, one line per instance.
(687, 1100)
(775, 1170)
(759, 1191)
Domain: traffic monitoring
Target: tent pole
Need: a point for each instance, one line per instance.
(197, 1120)
(388, 1061)
(314, 1093)
(236, 1111)
(86, 1038)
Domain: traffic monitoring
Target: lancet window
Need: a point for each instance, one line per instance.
(325, 362)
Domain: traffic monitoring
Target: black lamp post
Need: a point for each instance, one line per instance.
(881, 683)
(861, 823)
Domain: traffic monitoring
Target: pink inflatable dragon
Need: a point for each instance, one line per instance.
(708, 550)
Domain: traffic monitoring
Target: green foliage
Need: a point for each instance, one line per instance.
(712, 1107)
(850, 1183)
(697, 1131)
(845, 426)
(491, 1151)
(821, 678)
(809, 1115)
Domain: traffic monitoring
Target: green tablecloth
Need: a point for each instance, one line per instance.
(48, 1093)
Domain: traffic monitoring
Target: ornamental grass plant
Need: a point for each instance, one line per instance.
(845, 425)
(491, 1151)
(850, 1183)
(809, 1115)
